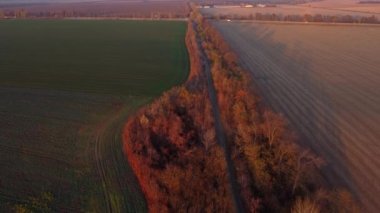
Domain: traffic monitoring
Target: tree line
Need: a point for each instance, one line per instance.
(299, 18)
(19, 13)
(172, 149)
(24, 13)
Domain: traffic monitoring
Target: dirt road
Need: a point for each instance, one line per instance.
(220, 136)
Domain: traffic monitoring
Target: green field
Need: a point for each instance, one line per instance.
(112, 57)
(66, 88)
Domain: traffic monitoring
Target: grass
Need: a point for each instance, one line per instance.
(67, 87)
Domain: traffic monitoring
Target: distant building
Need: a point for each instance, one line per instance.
(207, 6)
(261, 5)
(245, 5)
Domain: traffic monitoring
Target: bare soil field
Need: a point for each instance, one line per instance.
(348, 5)
(325, 81)
(289, 10)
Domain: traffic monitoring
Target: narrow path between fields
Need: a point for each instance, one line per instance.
(220, 136)
(120, 187)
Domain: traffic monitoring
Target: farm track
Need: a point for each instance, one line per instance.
(120, 186)
(101, 168)
(220, 135)
(337, 120)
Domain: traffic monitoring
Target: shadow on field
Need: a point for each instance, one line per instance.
(287, 83)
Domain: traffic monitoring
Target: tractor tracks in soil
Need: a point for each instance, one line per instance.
(121, 190)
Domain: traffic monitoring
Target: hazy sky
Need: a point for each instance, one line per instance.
(41, 1)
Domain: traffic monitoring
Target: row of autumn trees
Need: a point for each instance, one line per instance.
(171, 144)
(273, 172)
(300, 18)
(143, 13)
(20, 13)
(172, 149)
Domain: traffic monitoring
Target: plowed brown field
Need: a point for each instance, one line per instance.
(326, 81)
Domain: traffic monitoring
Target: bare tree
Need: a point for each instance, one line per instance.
(305, 161)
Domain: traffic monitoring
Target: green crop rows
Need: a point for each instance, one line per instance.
(112, 57)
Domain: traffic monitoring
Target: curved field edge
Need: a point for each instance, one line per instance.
(120, 186)
(121, 190)
(171, 146)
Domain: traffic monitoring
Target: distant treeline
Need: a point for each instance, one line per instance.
(23, 13)
(299, 18)
(236, 2)
(369, 2)
(108, 9)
